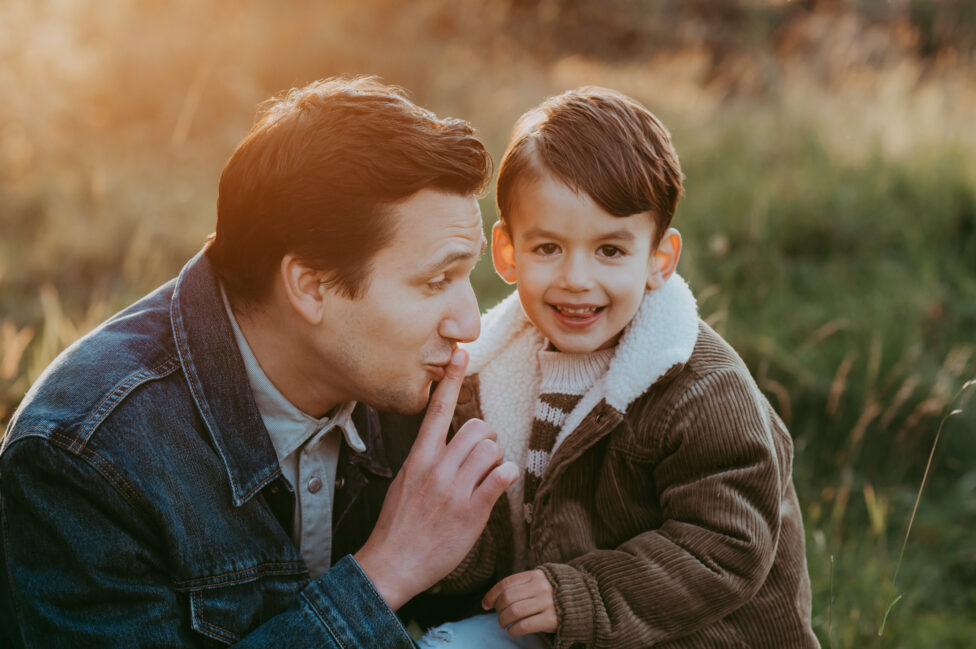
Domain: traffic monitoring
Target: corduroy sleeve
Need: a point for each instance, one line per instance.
(720, 487)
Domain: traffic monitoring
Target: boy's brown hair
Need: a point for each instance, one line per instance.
(316, 177)
(598, 141)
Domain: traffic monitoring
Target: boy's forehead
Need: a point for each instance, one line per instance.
(545, 204)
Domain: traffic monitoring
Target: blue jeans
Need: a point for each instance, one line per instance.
(478, 632)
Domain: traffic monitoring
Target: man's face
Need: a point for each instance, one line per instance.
(386, 347)
(581, 272)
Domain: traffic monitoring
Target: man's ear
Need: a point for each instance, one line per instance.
(503, 253)
(304, 288)
(664, 260)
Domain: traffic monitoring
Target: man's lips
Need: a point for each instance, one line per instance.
(437, 370)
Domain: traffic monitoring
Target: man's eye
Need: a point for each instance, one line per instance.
(547, 249)
(438, 283)
(611, 251)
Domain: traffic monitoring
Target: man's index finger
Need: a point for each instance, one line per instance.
(440, 410)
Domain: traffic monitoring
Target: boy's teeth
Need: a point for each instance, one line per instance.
(575, 311)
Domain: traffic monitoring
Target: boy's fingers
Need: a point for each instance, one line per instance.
(489, 600)
(520, 610)
(440, 410)
(544, 622)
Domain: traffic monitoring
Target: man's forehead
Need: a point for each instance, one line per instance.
(437, 228)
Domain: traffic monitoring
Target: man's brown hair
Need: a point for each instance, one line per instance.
(316, 177)
(598, 141)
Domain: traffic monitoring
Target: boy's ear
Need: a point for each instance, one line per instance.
(503, 253)
(664, 260)
(303, 287)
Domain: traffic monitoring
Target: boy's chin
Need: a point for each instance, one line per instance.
(571, 345)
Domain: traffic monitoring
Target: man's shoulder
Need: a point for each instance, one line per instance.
(89, 380)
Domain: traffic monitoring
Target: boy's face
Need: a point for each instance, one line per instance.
(581, 272)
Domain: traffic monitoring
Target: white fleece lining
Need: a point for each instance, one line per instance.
(509, 341)
(663, 333)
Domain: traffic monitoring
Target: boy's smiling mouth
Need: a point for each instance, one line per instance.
(576, 315)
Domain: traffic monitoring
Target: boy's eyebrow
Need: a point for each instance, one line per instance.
(619, 235)
(614, 235)
(450, 259)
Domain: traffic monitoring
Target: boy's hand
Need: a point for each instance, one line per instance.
(524, 603)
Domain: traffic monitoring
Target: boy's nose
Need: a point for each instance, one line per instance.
(576, 275)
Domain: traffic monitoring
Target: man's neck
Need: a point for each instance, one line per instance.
(285, 360)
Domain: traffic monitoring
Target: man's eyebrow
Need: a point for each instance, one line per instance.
(450, 259)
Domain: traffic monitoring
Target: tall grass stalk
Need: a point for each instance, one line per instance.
(918, 499)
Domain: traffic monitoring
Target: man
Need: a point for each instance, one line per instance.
(201, 469)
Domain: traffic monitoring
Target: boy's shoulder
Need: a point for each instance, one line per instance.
(713, 353)
(712, 364)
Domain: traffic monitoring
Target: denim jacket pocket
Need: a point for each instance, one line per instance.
(227, 608)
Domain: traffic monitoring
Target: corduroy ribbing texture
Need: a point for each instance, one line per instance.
(673, 524)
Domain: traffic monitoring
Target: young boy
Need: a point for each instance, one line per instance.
(656, 506)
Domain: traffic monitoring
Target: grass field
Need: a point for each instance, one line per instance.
(829, 220)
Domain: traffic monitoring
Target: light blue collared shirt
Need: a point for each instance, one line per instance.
(308, 453)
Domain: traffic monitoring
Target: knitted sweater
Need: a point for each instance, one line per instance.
(667, 515)
(565, 378)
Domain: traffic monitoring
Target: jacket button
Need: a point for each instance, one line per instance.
(314, 484)
(464, 395)
(340, 482)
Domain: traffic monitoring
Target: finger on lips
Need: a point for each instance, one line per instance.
(440, 409)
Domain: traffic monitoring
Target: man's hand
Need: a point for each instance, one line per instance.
(440, 500)
(524, 603)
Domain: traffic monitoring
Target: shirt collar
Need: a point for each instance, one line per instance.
(289, 427)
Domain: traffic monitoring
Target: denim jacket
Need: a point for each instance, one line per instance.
(142, 501)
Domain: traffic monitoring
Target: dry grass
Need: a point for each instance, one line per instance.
(829, 222)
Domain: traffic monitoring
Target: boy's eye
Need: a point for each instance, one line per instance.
(611, 251)
(547, 249)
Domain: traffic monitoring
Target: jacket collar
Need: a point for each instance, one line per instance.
(662, 334)
(215, 372)
(218, 381)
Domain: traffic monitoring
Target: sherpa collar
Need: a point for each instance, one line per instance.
(662, 334)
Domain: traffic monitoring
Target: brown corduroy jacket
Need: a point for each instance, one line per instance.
(667, 516)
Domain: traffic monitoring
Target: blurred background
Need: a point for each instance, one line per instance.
(829, 220)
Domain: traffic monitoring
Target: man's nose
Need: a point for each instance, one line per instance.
(575, 273)
(463, 322)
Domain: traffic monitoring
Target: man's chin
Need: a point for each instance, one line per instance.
(404, 404)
